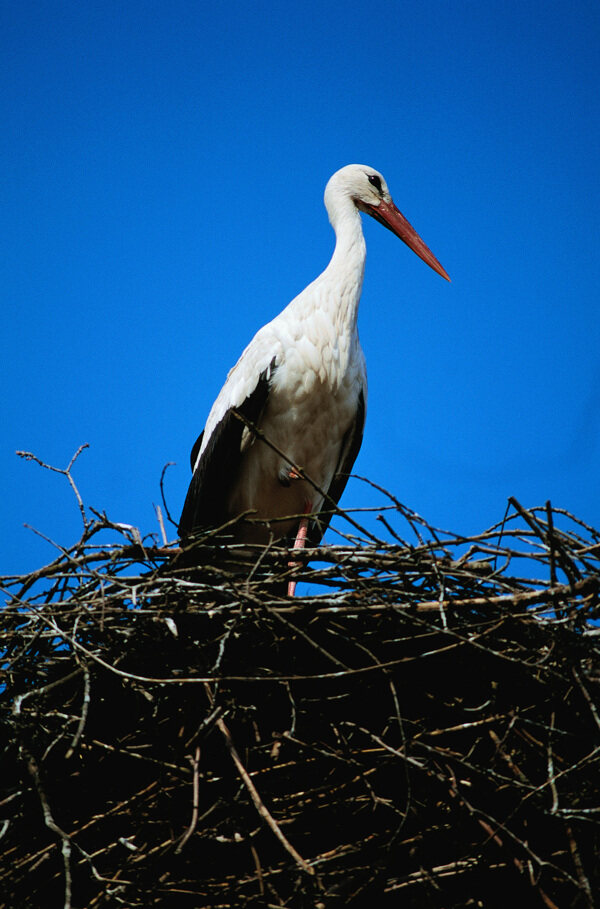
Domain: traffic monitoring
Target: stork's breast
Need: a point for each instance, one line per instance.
(312, 405)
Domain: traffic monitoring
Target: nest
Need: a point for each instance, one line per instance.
(420, 727)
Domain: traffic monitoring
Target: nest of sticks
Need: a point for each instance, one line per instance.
(420, 727)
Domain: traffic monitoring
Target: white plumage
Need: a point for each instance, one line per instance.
(302, 382)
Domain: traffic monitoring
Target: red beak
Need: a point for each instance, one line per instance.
(388, 215)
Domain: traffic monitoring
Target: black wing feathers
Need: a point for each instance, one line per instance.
(195, 450)
(206, 501)
(348, 454)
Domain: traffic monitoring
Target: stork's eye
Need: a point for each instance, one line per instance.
(375, 181)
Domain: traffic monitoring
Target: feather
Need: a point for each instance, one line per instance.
(216, 470)
(348, 454)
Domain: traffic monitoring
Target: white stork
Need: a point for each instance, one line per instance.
(302, 383)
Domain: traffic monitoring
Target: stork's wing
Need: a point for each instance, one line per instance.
(196, 450)
(216, 469)
(348, 453)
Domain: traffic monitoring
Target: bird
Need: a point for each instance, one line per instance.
(282, 436)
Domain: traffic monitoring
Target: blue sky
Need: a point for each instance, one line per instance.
(163, 166)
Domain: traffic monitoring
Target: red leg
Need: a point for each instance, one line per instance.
(299, 543)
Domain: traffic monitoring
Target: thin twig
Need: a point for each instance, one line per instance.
(161, 524)
(162, 492)
(53, 826)
(195, 761)
(28, 456)
(84, 712)
(258, 802)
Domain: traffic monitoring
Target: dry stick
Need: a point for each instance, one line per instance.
(261, 557)
(162, 491)
(461, 866)
(581, 875)
(27, 694)
(408, 514)
(138, 757)
(546, 899)
(29, 456)
(53, 826)
(550, 765)
(259, 873)
(507, 757)
(258, 803)
(195, 801)
(550, 536)
(526, 597)
(84, 713)
(47, 539)
(161, 524)
(206, 722)
(391, 531)
(569, 569)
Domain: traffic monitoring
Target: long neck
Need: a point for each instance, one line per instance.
(343, 277)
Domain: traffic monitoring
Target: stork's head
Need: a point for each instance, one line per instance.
(367, 189)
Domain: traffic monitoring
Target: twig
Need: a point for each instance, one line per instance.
(162, 492)
(551, 780)
(66, 472)
(195, 761)
(581, 875)
(259, 872)
(33, 692)
(53, 826)
(161, 524)
(258, 803)
(84, 712)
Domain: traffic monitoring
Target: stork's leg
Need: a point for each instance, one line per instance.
(299, 543)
